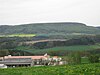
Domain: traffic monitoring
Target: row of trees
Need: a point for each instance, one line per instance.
(6, 52)
(75, 58)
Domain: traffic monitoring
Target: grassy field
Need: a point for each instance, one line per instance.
(18, 35)
(85, 60)
(82, 69)
(73, 48)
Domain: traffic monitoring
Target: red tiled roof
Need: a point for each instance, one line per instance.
(55, 56)
(32, 57)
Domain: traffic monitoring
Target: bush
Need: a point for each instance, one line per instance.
(94, 58)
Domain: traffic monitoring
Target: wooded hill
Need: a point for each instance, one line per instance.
(49, 28)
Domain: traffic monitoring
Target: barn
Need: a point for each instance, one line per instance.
(20, 61)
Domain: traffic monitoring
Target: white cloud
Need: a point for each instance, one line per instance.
(30, 11)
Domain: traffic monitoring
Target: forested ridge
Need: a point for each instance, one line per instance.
(49, 28)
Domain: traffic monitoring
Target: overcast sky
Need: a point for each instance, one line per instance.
(37, 11)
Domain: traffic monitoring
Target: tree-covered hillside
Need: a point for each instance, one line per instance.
(49, 28)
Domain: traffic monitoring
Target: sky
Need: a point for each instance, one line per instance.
(14, 12)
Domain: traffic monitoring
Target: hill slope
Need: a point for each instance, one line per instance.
(49, 28)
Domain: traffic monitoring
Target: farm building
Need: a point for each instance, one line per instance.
(3, 66)
(18, 61)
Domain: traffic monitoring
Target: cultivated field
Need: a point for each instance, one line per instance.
(18, 35)
(83, 69)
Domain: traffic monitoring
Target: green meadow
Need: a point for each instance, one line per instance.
(64, 48)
